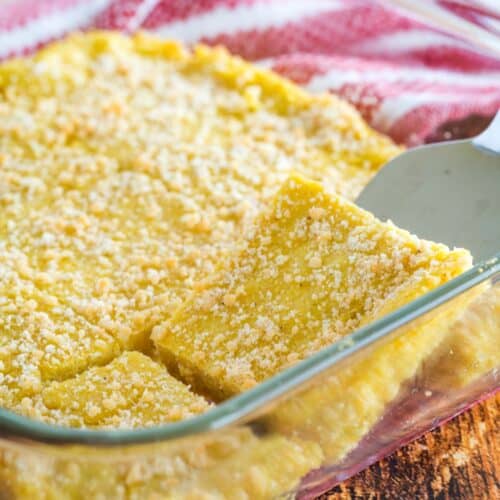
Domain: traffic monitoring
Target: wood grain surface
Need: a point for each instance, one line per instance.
(460, 460)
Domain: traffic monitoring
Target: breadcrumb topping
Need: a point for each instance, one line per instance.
(129, 168)
(300, 283)
(131, 391)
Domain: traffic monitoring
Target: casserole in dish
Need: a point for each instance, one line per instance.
(133, 172)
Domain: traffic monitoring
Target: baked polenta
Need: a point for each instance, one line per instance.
(129, 168)
(131, 391)
(315, 268)
(155, 206)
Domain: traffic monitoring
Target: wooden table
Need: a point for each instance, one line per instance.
(460, 460)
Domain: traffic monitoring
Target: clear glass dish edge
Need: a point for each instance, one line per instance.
(237, 408)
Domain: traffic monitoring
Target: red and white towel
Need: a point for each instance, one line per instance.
(406, 77)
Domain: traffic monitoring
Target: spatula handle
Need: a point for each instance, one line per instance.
(489, 139)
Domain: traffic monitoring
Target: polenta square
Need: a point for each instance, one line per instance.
(339, 408)
(129, 166)
(131, 391)
(42, 340)
(316, 268)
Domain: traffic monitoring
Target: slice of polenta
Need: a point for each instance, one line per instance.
(131, 391)
(316, 268)
(341, 406)
(42, 339)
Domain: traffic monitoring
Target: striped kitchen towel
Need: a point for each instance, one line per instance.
(407, 75)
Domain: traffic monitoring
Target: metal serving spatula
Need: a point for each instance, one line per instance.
(447, 192)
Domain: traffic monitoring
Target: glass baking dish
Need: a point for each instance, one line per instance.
(300, 432)
(296, 434)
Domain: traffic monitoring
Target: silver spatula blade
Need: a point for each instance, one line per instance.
(448, 192)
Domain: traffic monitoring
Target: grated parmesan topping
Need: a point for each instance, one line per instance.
(131, 391)
(129, 168)
(316, 268)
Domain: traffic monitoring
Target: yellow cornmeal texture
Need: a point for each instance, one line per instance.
(131, 391)
(236, 464)
(129, 167)
(316, 268)
(471, 348)
(262, 470)
(40, 472)
(341, 408)
(42, 339)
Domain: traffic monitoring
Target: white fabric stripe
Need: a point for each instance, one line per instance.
(140, 14)
(49, 26)
(488, 5)
(335, 78)
(492, 24)
(433, 14)
(403, 41)
(245, 17)
(395, 108)
(491, 5)
(267, 62)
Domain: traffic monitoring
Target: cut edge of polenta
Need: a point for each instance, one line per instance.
(206, 345)
(131, 391)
